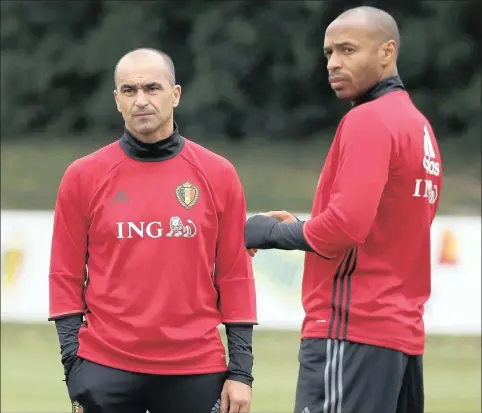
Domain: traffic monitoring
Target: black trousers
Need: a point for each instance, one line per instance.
(344, 377)
(94, 388)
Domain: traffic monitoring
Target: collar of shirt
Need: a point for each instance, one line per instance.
(390, 84)
(152, 152)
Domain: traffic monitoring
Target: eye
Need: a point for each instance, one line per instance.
(154, 88)
(128, 91)
(348, 50)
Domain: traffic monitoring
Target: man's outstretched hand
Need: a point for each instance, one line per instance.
(282, 216)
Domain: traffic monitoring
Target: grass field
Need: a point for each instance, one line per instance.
(31, 172)
(32, 375)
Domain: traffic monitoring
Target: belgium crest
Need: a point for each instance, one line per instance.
(187, 194)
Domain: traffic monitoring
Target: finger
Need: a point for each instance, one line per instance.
(279, 215)
(234, 407)
(245, 407)
(224, 402)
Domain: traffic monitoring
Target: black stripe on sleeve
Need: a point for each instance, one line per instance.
(340, 300)
(348, 295)
(341, 270)
(340, 295)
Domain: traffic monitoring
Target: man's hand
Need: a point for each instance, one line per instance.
(252, 251)
(282, 216)
(235, 397)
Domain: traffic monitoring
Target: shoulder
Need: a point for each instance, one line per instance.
(368, 113)
(107, 155)
(362, 127)
(365, 119)
(210, 161)
(388, 109)
(219, 173)
(98, 162)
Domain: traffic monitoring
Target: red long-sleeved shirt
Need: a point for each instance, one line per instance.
(152, 253)
(374, 205)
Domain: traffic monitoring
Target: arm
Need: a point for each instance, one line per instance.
(68, 265)
(67, 331)
(363, 167)
(235, 282)
(240, 349)
(266, 232)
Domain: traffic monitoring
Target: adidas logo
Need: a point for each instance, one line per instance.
(217, 407)
(120, 198)
(305, 410)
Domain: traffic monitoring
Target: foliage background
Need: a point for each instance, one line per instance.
(254, 87)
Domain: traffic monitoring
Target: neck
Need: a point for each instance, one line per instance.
(164, 132)
(387, 84)
(152, 151)
(390, 72)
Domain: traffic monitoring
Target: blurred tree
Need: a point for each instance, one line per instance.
(247, 68)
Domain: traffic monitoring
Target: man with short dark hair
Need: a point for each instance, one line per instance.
(367, 266)
(148, 260)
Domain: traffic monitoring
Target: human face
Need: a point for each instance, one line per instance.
(354, 59)
(146, 97)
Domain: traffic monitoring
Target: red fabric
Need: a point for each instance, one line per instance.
(372, 217)
(161, 275)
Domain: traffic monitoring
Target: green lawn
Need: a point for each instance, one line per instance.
(279, 175)
(32, 375)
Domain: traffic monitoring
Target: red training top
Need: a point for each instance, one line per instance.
(375, 202)
(162, 243)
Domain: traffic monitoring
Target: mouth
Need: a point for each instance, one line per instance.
(337, 80)
(142, 115)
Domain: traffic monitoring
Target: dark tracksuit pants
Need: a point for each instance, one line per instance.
(94, 388)
(338, 376)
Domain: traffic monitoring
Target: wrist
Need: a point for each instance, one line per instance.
(241, 378)
(240, 367)
(69, 353)
(273, 235)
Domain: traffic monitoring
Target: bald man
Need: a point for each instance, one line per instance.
(367, 266)
(148, 260)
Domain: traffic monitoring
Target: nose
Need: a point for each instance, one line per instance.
(141, 100)
(334, 63)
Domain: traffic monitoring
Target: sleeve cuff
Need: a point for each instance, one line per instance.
(59, 316)
(235, 307)
(307, 239)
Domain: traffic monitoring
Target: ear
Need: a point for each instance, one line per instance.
(116, 98)
(176, 96)
(388, 52)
